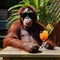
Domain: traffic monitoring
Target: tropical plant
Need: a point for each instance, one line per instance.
(42, 7)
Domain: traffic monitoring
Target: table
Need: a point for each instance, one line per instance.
(10, 53)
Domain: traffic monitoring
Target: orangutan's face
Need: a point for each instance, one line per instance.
(28, 17)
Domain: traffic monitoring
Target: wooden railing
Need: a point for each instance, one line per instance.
(55, 8)
(3, 22)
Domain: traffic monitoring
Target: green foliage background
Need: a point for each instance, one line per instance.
(42, 7)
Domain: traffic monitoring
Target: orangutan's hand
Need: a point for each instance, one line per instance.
(30, 47)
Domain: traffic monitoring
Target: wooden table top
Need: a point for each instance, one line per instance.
(13, 52)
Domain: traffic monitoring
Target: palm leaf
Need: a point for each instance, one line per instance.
(26, 2)
(12, 16)
(15, 6)
(11, 21)
(36, 3)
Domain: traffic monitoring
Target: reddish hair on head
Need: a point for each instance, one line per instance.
(22, 8)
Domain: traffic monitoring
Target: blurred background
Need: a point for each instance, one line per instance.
(4, 5)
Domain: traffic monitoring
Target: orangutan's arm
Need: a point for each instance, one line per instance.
(12, 40)
(12, 37)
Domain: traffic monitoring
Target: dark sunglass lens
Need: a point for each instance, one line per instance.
(32, 15)
(23, 15)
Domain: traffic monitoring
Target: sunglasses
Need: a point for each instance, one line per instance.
(30, 14)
